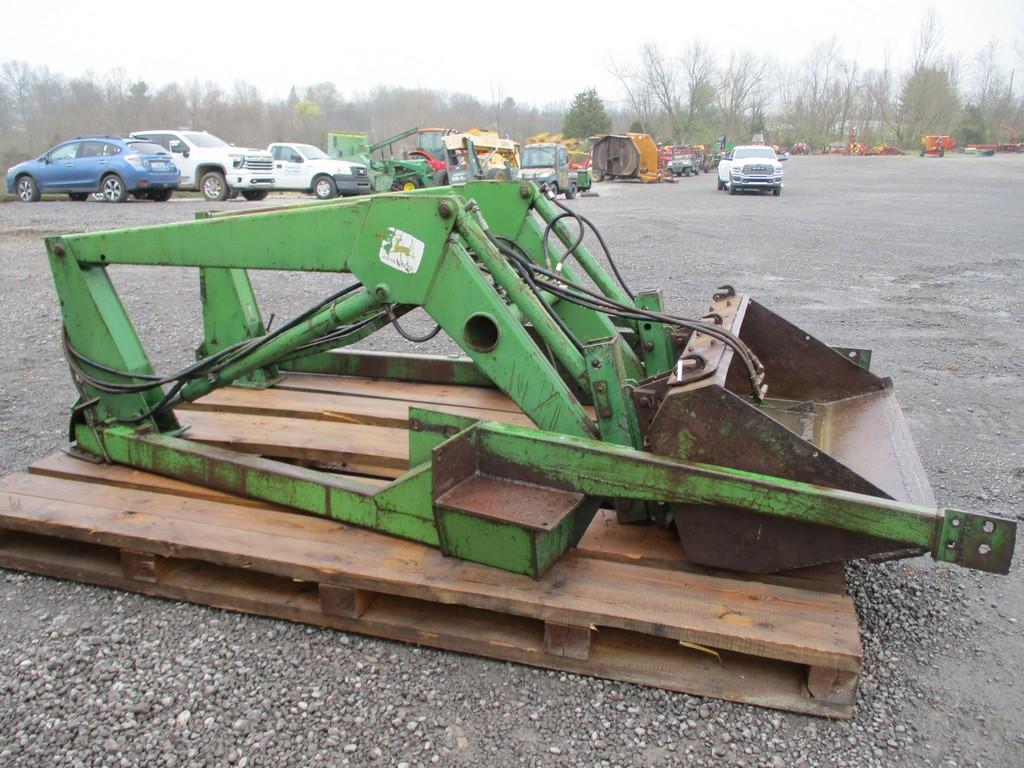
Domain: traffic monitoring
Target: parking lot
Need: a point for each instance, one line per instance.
(919, 259)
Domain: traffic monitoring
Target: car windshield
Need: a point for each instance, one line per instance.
(538, 157)
(749, 152)
(205, 140)
(311, 152)
(146, 148)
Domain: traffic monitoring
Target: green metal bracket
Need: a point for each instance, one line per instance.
(982, 542)
(231, 315)
(655, 338)
(611, 389)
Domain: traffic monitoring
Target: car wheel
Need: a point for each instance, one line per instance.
(777, 192)
(255, 195)
(324, 188)
(161, 195)
(554, 189)
(28, 191)
(78, 197)
(113, 189)
(570, 193)
(721, 186)
(213, 186)
(732, 188)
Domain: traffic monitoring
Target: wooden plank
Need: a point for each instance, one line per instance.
(746, 617)
(390, 389)
(143, 566)
(614, 654)
(605, 539)
(337, 600)
(831, 685)
(567, 640)
(331, 407)
(347, 445)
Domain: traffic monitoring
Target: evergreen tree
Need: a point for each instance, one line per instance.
(586, 117)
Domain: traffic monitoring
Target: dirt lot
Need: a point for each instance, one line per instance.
(919, 259)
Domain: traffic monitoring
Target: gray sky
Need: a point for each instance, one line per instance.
(565, 50)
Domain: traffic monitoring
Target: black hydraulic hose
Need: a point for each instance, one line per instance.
(408, 336)
(604, 246)
(600, 302)
(523, 266)
(547, 233)
(203, 367)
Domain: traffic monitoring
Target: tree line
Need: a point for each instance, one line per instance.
(690, 95)
(694, 94)
(39, 108)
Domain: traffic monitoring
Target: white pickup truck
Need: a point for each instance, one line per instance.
(214, 167)
(750, 167)
(305, 168)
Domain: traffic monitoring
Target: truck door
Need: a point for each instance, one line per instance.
(289, 167)
(562, 167)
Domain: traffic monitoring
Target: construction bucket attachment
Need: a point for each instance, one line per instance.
(767, 449)
(826, 420)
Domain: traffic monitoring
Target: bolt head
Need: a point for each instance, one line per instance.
(58, 250)
(444, 209)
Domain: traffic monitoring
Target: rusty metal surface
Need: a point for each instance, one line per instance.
(738, 540)
(797, 365)
(504, 501)
(828, 421)
(616, 156)
(704, 356)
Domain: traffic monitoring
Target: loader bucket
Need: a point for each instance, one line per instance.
(826, 420)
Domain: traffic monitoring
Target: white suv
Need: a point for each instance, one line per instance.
(305, 168)
(750, 167)
(214, 167)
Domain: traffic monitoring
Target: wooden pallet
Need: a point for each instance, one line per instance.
(624, 605)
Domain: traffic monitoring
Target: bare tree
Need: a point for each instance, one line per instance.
(743, 89)
(929, 37)
(698, 63)
(661, 79)
(638, 92)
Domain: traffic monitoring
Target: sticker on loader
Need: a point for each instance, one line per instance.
(401, 251)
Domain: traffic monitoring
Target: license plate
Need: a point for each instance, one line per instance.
(158, 166)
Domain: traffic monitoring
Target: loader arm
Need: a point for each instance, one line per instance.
(663, 415)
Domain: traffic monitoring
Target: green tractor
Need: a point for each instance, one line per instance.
(387, 173)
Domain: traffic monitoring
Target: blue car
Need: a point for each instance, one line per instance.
(112, 166)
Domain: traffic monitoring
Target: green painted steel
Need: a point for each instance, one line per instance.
(231, 315)
(603, 470)
(433, 369)
(655, 338)
(436, 249)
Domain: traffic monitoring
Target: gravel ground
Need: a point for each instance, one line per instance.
(917, 258)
